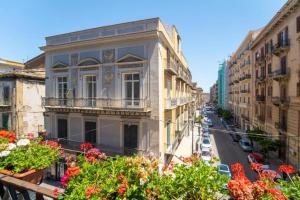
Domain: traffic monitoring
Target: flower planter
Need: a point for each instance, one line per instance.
(32, 176)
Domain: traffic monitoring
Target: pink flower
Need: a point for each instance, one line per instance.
(64, 180)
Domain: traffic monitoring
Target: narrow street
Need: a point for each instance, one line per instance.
(229, 151)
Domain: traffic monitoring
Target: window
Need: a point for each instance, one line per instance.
(6, 95)
(168, 127)
(74, 59)
(283, 64)
(62, 89)
(269, 68)
(132, 89)
(5, 120)
(298, 89)
(90, 90)
(298, 24)
(270, 91)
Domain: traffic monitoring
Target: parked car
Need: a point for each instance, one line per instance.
(224, 169)
(205, 134)
(254, 156)
(235, 136)
(206, 155)
(209, 122)
(251, 159)
(205, 143)
(246, 145)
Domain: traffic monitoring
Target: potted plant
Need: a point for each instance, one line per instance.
(26, 158)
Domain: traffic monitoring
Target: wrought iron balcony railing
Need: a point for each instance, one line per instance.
(282, 73)
(171, 103)
(281, 101)
(97, 103)
(260, 98)
(5, 102)
(281, 126)
(282, 46)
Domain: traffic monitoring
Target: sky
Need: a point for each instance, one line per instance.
(210, 30)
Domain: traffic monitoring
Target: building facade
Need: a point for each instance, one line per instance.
(126, 88)
(241, 82)
(221, 84)
(277, 89)
(21, 93)
(265, 81)
(214, 94)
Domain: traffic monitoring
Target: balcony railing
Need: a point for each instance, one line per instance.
(260, 78)
(282, 46)
(171, 66)
(282, 73)
(97, 103)
(245, 117)
(281, 126)
(171, 103)
(5, 102)
(281, 101)
(19, 189)
(260, 98)
(245, 91)
(170, 148)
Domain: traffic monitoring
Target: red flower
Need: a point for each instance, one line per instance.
(122, 190)
(64, 180)
(9, 135)
(86, 146)
(124, 186)
(121, 177)
(271, 175)
(55, 191)
(276, 193)
(73, 171)
(256, 166)
(94, 154)
(289, 169)
(90, 190)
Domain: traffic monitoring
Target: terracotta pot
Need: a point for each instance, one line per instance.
(32, 176)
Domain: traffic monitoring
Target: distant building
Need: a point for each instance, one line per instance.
(21, 93)
(221, 85)
(214, 94)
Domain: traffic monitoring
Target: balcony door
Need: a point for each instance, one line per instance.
(90, 90)
(62, 90)
(131, 90)
(168, 128)
(130, 138)
(283, 65)
(90, 129)
(62, 128)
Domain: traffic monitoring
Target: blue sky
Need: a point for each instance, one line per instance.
(210, 30)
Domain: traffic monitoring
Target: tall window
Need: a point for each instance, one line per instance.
(90, 90)
(132, 89)
(269, 68)
(283, 64)
(62, 89)
(298, 24)
(6, 95)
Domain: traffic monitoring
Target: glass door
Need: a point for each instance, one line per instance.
(90, 90)
(131, 94)
(90, 131)
(130, 139)
(62, 89)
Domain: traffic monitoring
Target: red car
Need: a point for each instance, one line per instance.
(257, 156)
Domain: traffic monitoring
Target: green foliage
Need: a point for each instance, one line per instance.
(197, 181)
(4, 140)
(25, 158)
(291, 190)
(226, 114)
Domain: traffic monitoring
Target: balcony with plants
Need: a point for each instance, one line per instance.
(282, 46)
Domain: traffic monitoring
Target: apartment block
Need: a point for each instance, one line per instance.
(21, 93)
(265, 81)
(277, 81)
(240, 82)
(126, 88)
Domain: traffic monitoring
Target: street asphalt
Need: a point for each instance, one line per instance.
(229, 151)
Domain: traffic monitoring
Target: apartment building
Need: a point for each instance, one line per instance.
(214, 93)
(223, 86)
(277, 80)
(126, 88)
(240, 82)
(21, 92)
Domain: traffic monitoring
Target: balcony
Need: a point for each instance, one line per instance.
(170, 148)
(183, 100)
(171, 66)
(98, 105)
(281, 47)
(5, 104)
(260, 79)
(281, 74)
(171, 103)
(281, 101)
(261, 60)
(260, 98)
(245, 91)
(281, 127)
